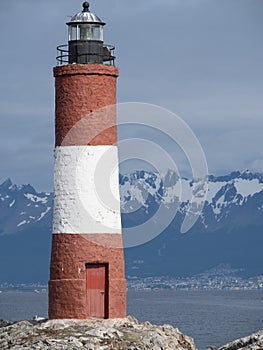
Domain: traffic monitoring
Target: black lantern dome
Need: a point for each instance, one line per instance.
(85, 39)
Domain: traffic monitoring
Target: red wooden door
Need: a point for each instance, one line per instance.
(96, 290)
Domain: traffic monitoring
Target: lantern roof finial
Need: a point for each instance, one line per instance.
(85, 6)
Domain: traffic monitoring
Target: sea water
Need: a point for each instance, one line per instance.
(212, 318)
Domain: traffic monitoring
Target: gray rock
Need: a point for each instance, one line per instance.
(117, 334)
(4, 323)
(252, 342)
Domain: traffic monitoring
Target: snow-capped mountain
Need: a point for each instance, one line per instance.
(22, 207)
(215, 199)
(228, 227)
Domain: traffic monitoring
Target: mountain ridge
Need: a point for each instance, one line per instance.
(228, 229)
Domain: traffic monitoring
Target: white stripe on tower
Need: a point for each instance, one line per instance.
(86, 190)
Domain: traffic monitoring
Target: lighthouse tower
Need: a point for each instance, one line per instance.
(87, 263)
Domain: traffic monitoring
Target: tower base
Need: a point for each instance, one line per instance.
(87, 277)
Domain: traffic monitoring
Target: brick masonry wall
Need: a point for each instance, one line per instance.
(82, 91)
(67, 285)
(81, 204)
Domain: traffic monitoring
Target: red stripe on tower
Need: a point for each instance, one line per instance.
(87, 262)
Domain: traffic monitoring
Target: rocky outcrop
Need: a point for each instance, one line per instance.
(117, 334)
(252, 342)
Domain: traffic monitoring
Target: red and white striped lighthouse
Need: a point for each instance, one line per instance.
(87, 263)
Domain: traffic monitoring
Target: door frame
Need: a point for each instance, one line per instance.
(106, 296)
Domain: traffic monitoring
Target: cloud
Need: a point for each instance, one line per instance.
(200, 59)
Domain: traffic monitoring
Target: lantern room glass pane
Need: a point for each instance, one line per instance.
(90, 32)
(72, 33)
(98, 32)
(85, 32)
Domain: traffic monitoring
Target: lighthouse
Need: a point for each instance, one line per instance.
(87, 277)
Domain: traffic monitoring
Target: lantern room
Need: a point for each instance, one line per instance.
(85, 40)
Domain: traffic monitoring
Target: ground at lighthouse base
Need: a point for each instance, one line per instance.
(115, 334)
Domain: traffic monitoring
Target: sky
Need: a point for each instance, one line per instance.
(200, 59)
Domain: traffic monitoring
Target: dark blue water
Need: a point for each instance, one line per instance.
(211, 318)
